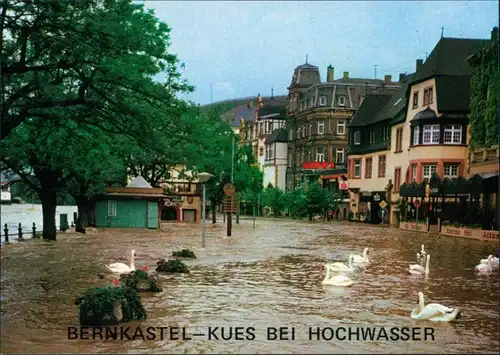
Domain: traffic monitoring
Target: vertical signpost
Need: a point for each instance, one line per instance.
(416, 203)
(383, 213)
(229, 205)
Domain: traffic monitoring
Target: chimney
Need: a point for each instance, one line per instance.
(387, 77)
(419, 63)
(401, 76)
(494, 34)
(330, 71)
(346, 75)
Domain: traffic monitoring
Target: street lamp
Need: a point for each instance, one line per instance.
(203, 178)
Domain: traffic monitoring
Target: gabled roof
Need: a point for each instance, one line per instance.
(369, 109)
(397, 103)
(279, 135)
(449, 57)
(139, 182)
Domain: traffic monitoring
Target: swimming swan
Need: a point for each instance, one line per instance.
(339, 280)
(492, 261)
(416, 269)
(341, 266)
(484, 268)
(123, 268)
(361, 258)
(434, 311)
(485, 261)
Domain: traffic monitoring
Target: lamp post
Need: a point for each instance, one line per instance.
(203, 178)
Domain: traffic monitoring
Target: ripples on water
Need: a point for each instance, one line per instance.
(257, 278)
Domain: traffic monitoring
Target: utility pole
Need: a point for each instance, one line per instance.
(375, 71)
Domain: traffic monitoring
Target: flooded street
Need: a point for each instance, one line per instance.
(267, 277)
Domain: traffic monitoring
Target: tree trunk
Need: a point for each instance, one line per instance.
(49, 203)
(81, 204)
(91, 218)
(213, 206)
(310, 217)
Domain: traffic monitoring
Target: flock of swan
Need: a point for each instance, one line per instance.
(432, 311)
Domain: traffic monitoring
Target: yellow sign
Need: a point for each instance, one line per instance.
(382, 204)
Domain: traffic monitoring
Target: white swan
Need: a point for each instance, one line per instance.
(484, 268)
(123, 268)
(485, 261)
(494, 262)
(341, 266)
(361, 258)
(419, 258)
(422, 250)
(416, 269)
(434, 311)
(339, 280)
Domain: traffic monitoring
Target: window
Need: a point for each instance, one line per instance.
(112, 208)
(451, 171)
(320, 154)
(428, 96)
(310, 129)
(339, 156)
(372, 136)
(309, 155)
(271, 151)
(357, 168)
(322, 101)
(291, 135)
(357, 138)
(452, 134)
(321, 127)
(399, 140)
(415, 99)
(261, 151)
(416, 135)
(413, 172)
(381, 165)
(368, 168)
(397, 179)
(290, 159)
(429, 170)
(340, 128)
(431, 134)
(341, 101)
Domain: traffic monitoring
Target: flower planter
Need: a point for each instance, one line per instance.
(471, 233)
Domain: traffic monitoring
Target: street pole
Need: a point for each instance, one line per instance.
(204, 218)
(253, 215)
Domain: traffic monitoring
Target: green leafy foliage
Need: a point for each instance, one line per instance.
(172, 266)
(97, 306)
(184, 253)
(274, 198)
(484, 97)
(137, 277)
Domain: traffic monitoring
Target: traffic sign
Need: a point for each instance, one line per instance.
(382, 204)
(416, 203)
(229, 189)
(382, 213)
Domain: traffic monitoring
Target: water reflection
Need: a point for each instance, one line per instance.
(270, 276)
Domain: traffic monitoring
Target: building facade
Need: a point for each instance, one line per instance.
(369, 164)
(319, 114)
(431, 138)
(275, 162)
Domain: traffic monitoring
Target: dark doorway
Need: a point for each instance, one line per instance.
(169, 213)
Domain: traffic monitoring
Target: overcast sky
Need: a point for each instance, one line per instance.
(248, 47)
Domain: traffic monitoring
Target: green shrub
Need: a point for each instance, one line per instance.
(184, 253)
(171, 266)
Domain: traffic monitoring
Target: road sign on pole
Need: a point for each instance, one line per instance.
(382, 204)
(229, 189)
(382, 213)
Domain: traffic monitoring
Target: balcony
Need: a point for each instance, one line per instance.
(483, 155)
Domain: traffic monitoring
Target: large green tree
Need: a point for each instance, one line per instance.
(91, 63)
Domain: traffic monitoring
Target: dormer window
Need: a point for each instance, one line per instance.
(357, 138)
(341, 100)
(322, 101)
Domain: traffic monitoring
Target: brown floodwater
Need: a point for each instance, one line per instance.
(270, 276)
